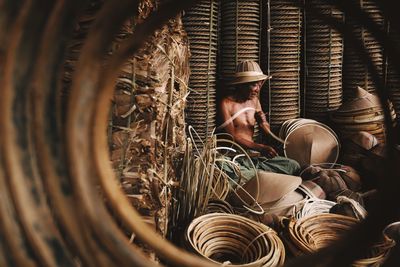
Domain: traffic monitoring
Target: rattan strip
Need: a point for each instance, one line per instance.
(219, 206)
(235, 241)
(314, 206)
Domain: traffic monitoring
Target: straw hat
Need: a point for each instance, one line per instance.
(363, 100)
(312, 143)
(270, 187)
(248, 71)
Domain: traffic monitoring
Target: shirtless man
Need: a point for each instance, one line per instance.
(239, 113)
(242, 108)
(245, 103)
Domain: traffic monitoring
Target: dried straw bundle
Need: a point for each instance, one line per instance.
(200, 181)
(148, 116)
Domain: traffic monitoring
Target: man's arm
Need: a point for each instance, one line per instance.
(264, 125)
(262, 120)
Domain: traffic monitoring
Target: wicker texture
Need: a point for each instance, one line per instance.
(240, 37)
(355, 71)
(235, 241)
(284, 62)
(201, 25)
(362, 113)
(240, 34)
(314, 232)
(324, 52)
(309, 142)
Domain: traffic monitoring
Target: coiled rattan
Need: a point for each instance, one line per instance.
(219, 206)
(312, 233)
(235, 241)
(314, 206)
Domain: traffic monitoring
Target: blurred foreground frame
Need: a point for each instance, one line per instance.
(50, 214)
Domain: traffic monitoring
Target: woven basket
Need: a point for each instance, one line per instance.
(312, 233)
(235, 241)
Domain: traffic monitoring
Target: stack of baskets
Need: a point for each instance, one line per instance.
(312, 233)
(324, 52)
(393, 76)
(355, 71)
(201, 24)
(235, 241)
(284, 60)
(362, 113)
(240, 36)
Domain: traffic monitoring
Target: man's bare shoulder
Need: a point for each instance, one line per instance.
(227, 101)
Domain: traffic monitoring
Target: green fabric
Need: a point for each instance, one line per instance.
(277, 164)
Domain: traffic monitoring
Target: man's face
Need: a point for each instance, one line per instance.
(251, 90)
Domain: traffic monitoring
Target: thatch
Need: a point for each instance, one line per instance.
(148, 117)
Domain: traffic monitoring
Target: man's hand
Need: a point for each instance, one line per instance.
(268, 151)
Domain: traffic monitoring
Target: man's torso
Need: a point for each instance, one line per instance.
(244, 123)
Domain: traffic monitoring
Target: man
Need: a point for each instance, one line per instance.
(239, 113)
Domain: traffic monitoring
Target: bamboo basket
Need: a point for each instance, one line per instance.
(234, 240)
(311, 233)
